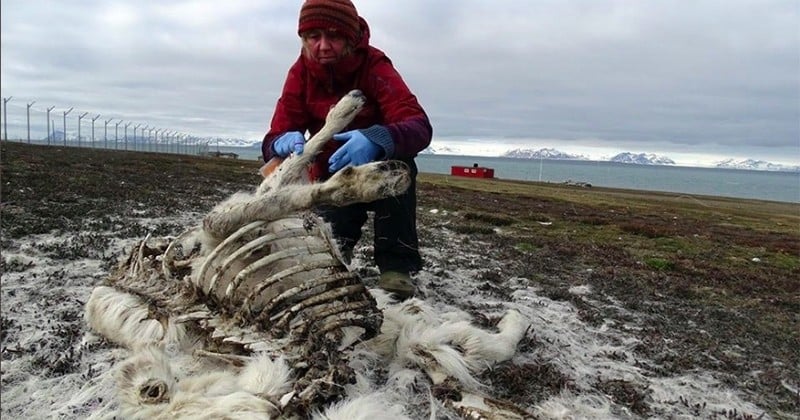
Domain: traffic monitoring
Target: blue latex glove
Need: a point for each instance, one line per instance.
(292, 141)
(357, 150)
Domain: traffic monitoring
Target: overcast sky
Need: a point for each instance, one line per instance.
(693, 79)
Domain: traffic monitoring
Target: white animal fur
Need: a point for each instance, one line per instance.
(124, 319)
(446, 345)
(151, 390)
(366, 407)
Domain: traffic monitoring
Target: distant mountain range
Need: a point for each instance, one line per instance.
(230, 142)
(637, 159)
(553, 154)
(642, 159)
(58, 135)
(758, 165)
(440, 150)
(520, 153)
(545, 153)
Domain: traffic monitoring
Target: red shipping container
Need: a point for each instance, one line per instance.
(473, 171)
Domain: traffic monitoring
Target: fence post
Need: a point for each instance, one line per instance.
(116, 135)
(80, 117)
(29, 120)
(126, 134)
(93, 120)
(65, 125)
(5, 116)
(48, 124)
(105, 133)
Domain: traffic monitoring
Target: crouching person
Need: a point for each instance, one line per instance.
(336, 57)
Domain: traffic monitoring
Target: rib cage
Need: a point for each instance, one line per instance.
(285, 278)
(279, 287)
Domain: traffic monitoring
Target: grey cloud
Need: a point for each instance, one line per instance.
(702, 76)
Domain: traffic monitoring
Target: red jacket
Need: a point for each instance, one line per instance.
(312, 88)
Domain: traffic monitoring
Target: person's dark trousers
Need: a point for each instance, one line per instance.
(395, 225)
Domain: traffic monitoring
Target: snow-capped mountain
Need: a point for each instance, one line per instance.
(230, 142)
(58, 136)
(545, 153)
(642, 159)
(757, 165)
(440, 150)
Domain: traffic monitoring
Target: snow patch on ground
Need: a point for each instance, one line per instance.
(53, 368)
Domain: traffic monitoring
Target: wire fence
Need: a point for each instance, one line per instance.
(29, 123)
(162, 146)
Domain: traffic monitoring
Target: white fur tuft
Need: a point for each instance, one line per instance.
(150, 390)
(124, 319)
(262, 375)
(366, 407)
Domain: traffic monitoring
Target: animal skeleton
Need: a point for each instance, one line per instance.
(263, 310)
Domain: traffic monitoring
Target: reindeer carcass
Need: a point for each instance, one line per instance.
(262, 309)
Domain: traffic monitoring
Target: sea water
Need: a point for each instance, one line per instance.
(738, 183)
(763, 185)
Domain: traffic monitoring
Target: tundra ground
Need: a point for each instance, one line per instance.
(671, 286)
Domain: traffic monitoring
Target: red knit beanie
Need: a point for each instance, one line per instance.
(340, 15)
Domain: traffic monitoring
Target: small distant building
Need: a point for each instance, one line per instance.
(218, 154)
(473, 171)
